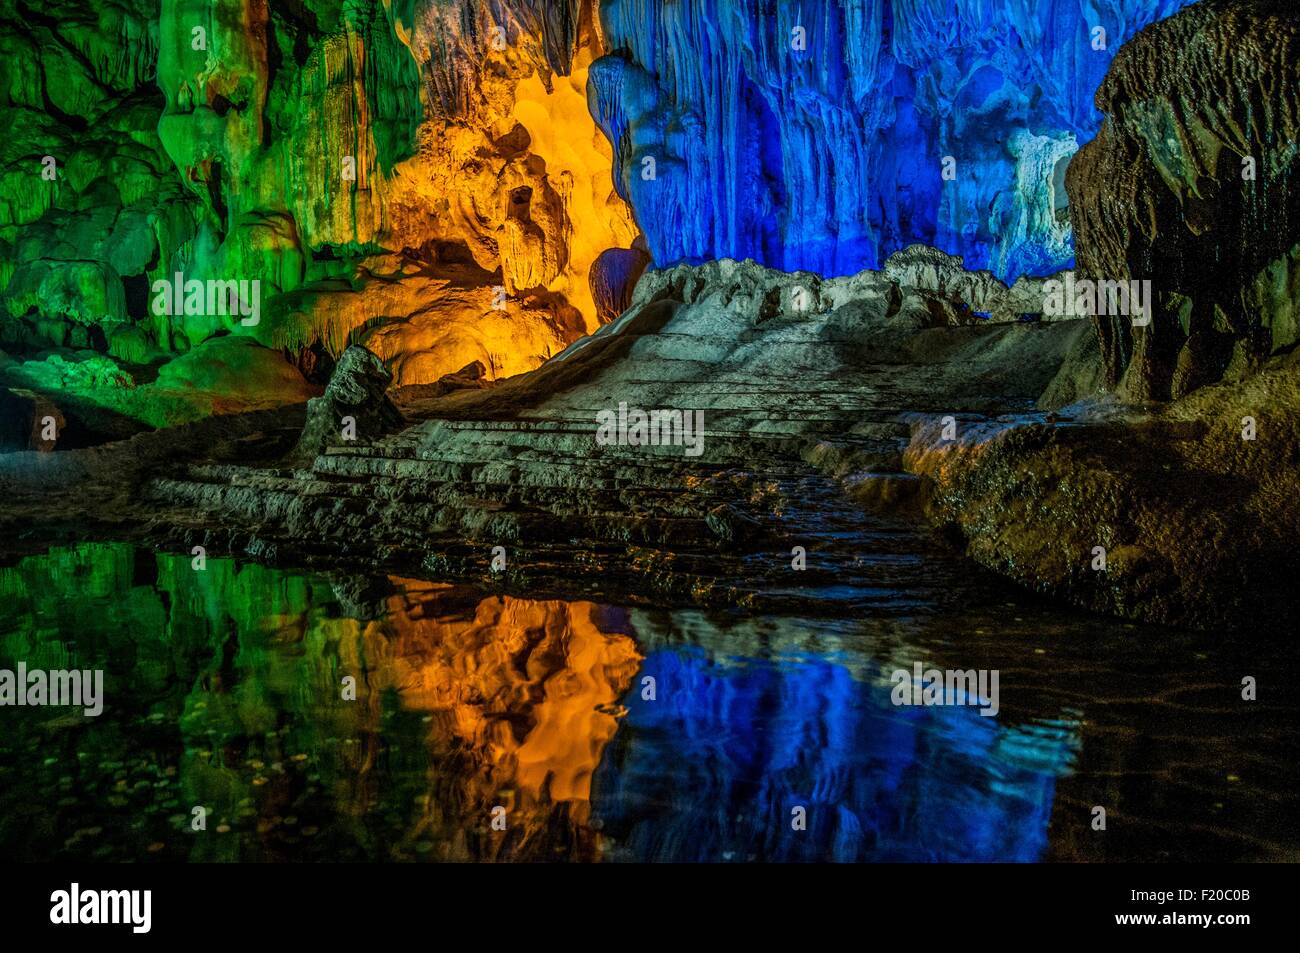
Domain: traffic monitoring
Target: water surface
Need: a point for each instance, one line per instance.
(599, 733)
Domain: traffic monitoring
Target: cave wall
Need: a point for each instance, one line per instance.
(433, 148)
(830, 157)
(79, 242)
(397, 173)
(383, 168)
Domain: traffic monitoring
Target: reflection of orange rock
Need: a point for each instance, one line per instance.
(523, 689)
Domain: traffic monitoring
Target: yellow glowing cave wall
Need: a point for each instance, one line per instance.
(564, 133)
(461, 175)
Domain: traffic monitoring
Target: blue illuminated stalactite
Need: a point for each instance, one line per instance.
(828, 159)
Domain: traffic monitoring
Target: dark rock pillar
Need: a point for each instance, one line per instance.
(1192, 183)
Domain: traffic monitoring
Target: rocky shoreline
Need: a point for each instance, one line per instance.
(837, 415)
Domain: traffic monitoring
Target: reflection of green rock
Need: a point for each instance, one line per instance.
(238, 663)
(223, 690)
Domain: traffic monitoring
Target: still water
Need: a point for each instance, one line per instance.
(317, 718)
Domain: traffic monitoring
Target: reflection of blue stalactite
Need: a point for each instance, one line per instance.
(830, 158)
(713, 767)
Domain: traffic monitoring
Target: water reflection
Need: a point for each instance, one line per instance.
(754, 741)
(336, 719)
(520, 699)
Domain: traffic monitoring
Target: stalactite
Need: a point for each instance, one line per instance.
(813, 136)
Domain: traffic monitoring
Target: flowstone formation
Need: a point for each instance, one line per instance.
(827, 135)
(420, 177)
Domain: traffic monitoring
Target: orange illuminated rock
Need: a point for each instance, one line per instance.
(413, 177)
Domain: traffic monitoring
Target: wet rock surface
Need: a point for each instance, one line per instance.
(1181, 512)
(1178, 514)
(807, 414)
(542, 473)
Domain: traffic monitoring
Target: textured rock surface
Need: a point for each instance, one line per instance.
(830, 157)
(834, 412)
(807, 390)
(354, 408)
(101, 398)
(614, 276)
(1198, 523)
(90, 205)
(429, 168)
(1194, 183)
(1190, 184)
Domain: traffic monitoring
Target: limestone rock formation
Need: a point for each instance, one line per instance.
(90, 206)
(799, 395)
(614, 276)
(829, 411)
(1192, 183)
(397, 175)
(27, 419)
(431, 212)
(101, 398)
(354, 410)
(432, 151)
(1182, 512)
(969, 297)
(1193, 504)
